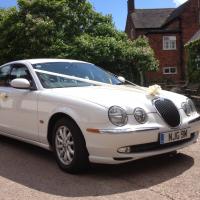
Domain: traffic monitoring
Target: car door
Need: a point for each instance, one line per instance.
(18, 107)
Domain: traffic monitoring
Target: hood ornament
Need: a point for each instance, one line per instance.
(154, 90)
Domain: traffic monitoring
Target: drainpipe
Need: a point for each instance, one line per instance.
(182, 50)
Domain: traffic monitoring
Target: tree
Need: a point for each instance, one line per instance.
(71, 29)
(193, 69)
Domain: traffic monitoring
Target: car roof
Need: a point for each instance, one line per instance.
(44, 60)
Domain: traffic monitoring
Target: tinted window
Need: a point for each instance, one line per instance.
(20, 71)
(4, 75)
(52, 81)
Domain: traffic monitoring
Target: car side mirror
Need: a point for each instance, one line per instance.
(122, 79)
(20, 83)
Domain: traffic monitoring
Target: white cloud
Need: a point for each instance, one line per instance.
(179, 2)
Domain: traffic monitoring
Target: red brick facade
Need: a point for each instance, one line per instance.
(182, 22)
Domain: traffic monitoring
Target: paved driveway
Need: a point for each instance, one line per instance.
(27, 172)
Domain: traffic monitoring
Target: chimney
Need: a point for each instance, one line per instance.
(131, 6)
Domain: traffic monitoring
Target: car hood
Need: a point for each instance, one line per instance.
(127, 97)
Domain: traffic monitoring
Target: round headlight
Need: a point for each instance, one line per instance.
(117, 116)
(189, 107)
(140, 115)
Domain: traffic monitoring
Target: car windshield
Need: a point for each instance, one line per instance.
(80, 70)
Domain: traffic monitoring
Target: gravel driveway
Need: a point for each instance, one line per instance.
(28, 172)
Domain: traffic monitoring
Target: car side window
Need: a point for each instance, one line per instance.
(4, 76)
(20, 71)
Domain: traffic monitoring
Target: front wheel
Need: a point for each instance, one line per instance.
(69, 146)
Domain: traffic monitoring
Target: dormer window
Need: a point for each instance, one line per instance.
(169, 42)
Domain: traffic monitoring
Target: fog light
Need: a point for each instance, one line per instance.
(124, 150)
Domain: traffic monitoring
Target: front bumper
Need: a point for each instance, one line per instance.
(103, 147)
(123, 158)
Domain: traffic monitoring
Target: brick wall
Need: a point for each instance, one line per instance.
(167, 58)
(130, 30)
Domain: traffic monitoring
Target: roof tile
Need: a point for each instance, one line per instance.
(150, 18)
(155, 18)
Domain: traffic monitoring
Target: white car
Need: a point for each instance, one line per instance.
(85, 114)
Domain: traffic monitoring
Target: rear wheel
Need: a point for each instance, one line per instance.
(69, 146)
(172, 153)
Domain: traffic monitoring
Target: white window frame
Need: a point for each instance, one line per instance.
(170, 68)
(169, 42)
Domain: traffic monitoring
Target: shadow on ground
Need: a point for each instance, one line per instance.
(35, 168)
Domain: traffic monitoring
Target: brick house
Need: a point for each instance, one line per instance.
(168, 30)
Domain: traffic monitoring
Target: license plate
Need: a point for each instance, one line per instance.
(174, 136)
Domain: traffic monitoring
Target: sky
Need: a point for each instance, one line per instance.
(118, 8)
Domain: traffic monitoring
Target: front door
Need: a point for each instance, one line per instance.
(18, 107)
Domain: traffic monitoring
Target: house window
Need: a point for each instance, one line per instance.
(169, 70)
(169, 42)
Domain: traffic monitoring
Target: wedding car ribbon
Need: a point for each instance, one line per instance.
(152, 90)
(72, 78)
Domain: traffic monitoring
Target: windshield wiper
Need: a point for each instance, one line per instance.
(121, 83)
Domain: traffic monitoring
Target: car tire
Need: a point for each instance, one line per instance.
(69, 146)
(172, 153)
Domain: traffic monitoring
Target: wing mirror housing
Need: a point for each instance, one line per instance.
(122, 79)
(20, 83)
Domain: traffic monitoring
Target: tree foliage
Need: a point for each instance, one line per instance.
(71, 29)
(193, 49)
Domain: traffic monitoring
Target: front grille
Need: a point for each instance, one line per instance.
(168, 111)
(155, 146)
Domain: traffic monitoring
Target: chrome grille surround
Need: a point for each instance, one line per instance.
(168, 111)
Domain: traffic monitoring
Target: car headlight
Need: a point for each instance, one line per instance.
(140, 115)
(189, 107)
(117, 116)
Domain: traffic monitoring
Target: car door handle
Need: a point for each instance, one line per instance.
(3, 96)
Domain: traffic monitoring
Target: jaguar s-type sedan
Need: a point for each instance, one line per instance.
(85, 114)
